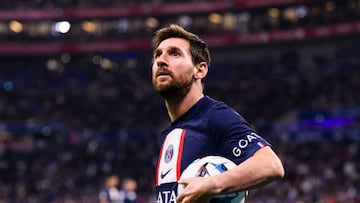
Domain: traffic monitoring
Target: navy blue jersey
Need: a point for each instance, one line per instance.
(210, 127)
(111, 195)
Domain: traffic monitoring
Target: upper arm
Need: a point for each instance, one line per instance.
(270, 161)
(235, 138)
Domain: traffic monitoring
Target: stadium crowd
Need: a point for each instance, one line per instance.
(229, 21)
(41, 4)
(67, 122)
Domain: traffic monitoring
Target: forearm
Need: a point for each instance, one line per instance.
(262, 168)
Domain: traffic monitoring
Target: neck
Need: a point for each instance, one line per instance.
(177, 108)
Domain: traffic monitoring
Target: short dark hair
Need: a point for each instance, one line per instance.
(198, 48)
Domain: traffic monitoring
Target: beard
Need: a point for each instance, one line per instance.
(176, 90)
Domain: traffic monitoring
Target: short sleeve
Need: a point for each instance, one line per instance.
(233, 136)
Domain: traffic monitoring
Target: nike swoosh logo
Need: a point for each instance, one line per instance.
(162, 175)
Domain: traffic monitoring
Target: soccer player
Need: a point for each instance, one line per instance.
(202, 126)
(111, 193)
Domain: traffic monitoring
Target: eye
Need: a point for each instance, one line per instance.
(157, 53)
(174, 53)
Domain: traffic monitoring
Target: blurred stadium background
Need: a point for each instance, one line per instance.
(77, 102)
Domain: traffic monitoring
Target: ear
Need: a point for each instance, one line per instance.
(201, 70)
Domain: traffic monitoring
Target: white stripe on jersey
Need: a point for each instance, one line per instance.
(170, 157)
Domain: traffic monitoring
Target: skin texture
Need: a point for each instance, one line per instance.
(179, 81)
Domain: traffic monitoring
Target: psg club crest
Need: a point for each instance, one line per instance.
(169, 153)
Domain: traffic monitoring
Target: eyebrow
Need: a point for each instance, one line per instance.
(156, 51)
(171, 48)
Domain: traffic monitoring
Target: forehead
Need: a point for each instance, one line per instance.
(179, 43)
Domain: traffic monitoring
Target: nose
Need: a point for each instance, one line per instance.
(161, 64)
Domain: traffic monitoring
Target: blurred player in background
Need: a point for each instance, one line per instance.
(111, 193)
(202, 126)
(128, 190)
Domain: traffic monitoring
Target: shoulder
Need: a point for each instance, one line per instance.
(221, 112)
(223, 118)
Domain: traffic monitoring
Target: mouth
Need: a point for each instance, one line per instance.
(162, 73)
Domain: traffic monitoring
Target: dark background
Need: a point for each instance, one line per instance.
(78, 106)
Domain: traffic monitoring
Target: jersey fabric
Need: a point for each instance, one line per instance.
(210, 127)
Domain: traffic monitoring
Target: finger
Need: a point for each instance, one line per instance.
(179, 198)
(184, 181)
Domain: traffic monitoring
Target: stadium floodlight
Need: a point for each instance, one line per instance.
(89, 26)
(215, 18)
(123, 25)
(61, 27)
(16, 26)
(152, 22)
(301, 11)
(185, 21)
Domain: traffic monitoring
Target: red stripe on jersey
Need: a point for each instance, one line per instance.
(261, 144)
(158, 164)
(178, 164)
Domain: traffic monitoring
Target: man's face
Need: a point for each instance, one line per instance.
(173, 69)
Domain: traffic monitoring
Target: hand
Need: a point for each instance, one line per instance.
(197, 190)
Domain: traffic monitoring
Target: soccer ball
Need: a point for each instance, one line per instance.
(209, 166)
